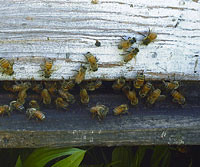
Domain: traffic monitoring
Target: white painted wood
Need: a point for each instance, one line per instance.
(31, 30)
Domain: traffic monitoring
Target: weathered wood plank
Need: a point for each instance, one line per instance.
(65, 30)
(163, 123)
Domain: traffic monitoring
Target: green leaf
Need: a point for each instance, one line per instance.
(112, 163)
(166, 160)
(159, 153)
(19, 162)
(190, 165)
(139, 155)
(73, 160)
(39, 157)
(123, 155)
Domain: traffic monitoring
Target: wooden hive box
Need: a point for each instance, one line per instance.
(65, 30)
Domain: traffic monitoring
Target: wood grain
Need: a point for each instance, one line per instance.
(163, 123)
(65, 30)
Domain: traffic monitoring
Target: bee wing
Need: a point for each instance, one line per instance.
(56, 67)
(11, 61)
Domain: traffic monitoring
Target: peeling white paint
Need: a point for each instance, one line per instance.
(73, 26)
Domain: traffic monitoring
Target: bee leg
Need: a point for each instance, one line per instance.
(93, 115)
(142, 34)
(8, 114)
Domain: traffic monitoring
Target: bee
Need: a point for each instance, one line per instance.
(91, 86)
(47, 67)
(6, 66)
(129, 55)
(19, 87)
(67, 96)
(37, 87)
(81, 75)
(151, 99)
(145, 90)
(149, 38)
(51, 87)
(60, 103)
(5, 109)
(100, 110)
(95, 1)
(182, 149)
(34, 113)
(46, 96)
(177, 97)
(130, 94)
(67, 85)
(84, 96)
(139, 80)
(16, 105)
(171, 85)
(34, 104)
(125, 44)
(122, 109)
(22, 94)
(8, 86)
(92, 60)
(119, 83)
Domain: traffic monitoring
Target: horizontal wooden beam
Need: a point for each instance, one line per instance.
(163, 123)
(65, 30)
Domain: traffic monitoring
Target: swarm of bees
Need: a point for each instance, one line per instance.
(60, 94)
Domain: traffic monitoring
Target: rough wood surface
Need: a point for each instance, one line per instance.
(163, 123)
(65, 30)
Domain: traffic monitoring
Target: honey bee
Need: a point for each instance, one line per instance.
(22, 95)
(119, 83)
(19, 87)
(60, 103)
(81, 75)
(84, 96)
(151, 99)
(92, 60)
(129, 55)
(177, 97)
(99, 110)
(37, 87)
(67, 96)
(182, 149)
(149, 38)
(6, 66)
(34, 104)
(46, 96)
(130, 94)
(16, 105)
(122, 109)
(91, 86)
(34, 113)
(67, 85)
(145, 90)
(5, 109)
(125, 44)
(95, 1)
(171, 85)
(47, 67)
(139, 80)
(51, 87)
